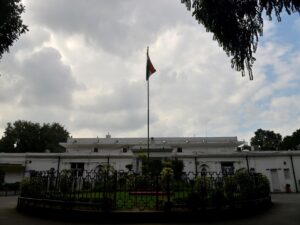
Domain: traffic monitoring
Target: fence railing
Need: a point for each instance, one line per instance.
(10, 189)
(119, 190)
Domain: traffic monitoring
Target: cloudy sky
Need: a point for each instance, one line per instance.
(82, 64)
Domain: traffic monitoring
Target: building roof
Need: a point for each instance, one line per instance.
(169, 141)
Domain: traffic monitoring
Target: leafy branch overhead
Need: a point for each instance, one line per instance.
(11, 23)
(237, 24)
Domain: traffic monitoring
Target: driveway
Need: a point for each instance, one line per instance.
(286, 210)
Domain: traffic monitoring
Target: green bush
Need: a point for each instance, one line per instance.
(31, 187)
(167, 176)
(230, 187)
(203, 185)
(262, 186)
(65, 181)
(245, 184)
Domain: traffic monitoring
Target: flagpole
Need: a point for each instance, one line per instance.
(148, 141)
(148, 115)
(149, 70)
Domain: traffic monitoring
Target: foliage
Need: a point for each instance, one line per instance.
(167, 173)
(262, 185)
(245, 184)
(199, 196)
(266, 140)
(105, 168)
(11, 24)
(127, 190)
(31, 187)
(230, 187)
(237, 24)
(26, 136)
(51, 135)
(153, 166)
(106, 177)
(140, 183)
(65, 181)
(291, 142)
(203, 185)
(177, 166)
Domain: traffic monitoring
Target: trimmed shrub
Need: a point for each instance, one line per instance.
(31, 187)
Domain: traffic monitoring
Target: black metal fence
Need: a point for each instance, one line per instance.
(119, 190)
(9, 189)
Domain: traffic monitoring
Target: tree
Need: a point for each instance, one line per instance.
(51, 135)
(25, 136)
(291, 142)
(11, 23)
(266, 140)
(237, 24)
(22, 136)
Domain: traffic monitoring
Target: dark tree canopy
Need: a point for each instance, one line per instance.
(237, 24)
(266, 140)
(11, 24)
(291, 142)
(25, 136)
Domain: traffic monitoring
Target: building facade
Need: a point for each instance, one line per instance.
(199, 154)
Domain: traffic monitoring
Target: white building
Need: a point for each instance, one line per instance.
(197, 153)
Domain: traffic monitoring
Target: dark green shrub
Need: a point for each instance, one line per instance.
(230, 188)
(65, 181)
(31, 187)
(245, 184)
(167, 177)
(203, 187)
(177, 166)
(140, 183)
(262, 186)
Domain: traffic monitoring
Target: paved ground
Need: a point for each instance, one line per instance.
(286, 210)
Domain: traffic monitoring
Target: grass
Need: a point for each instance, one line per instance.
(122, 199)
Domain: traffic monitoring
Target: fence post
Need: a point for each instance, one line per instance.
(168, 204)
(156, 189)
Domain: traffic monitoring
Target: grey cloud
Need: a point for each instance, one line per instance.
(126, 96)
(114, 122)
(110, 24)
(47, 81)
(122, 110)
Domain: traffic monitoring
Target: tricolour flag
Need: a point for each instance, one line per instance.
(149, 67)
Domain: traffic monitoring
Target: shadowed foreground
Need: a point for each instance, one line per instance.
(285, 211)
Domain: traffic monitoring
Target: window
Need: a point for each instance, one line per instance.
(227, 167)
(286, 173)
(125, 150)
(2, 175)
(77, 169)
(95, 149)
(179, 149)
(204, 169)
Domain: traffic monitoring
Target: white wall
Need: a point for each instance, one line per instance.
(265, 165)
(262, 162)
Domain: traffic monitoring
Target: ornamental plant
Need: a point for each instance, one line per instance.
(167, 176)
(31, 187)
